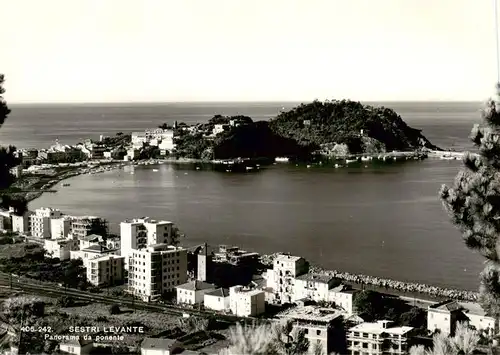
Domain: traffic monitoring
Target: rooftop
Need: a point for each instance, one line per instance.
(99, 248)
(91, 238)
(287, 257)
(378, 328)
(220, 292)
(246, 290)
(344, 289)
(324, 279)
(143, 220)
(195, 286)
(473, 308)
(311, 313)
(449, 306)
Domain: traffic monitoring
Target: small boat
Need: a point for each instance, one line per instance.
(308, 166)
(66, 184)
(351, 161)
(198, 168)
(281, 160)
(366, 158)
(249, 168)
(155, 170)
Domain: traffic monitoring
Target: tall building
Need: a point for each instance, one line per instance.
(81, 226)
(203, 264)
(281, 278)
(22, 224)
(60, 227)
(40, 221)
(156, 270)
(138, 233)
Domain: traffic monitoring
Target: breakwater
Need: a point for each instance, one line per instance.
(383, 283)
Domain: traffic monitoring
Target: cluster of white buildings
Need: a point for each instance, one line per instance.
(161, 138)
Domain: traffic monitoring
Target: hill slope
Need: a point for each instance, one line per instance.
(318, 123)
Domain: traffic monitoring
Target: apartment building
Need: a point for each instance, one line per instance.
(60, 227)
(444, 317)
(81, 226)
(379, 338)
(92, 252)
(343, 297)
(218, 300)
(90, 240)
(22, 224)
(315, 287)
(106, 270)
(193, 292)
(40, 221)
(281, 278)
(138, 233)
(155, 270)
(60, 248)
(322, 326)
(246, 302)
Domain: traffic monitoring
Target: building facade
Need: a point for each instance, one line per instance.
(217, 300)
(245, 302)
(313, 286)
(106, 270)
(137, 234)
(156, 270)
(444, 317)
(281, 278)
(60, 248)
(22, 224)
(379, 338)
(60, 227)
(81, 226)
(193, 292)
(40, 222)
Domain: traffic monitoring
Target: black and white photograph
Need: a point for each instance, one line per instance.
(250, 177)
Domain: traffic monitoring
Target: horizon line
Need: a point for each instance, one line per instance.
(228, 101)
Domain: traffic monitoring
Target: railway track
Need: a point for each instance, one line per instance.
(27, 285)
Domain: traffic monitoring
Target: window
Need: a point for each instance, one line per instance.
(365, 345)
(318, 332)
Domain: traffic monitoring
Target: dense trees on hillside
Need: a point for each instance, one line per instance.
(7, 161)
(342, 121)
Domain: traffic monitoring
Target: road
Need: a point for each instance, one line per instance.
(32, 286)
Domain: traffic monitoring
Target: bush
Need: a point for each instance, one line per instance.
(65, 301)
(114, 309)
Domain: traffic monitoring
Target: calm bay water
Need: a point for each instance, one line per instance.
(379, 220)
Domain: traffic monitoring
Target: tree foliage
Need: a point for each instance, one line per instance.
(319, 122)
(280, 338)
(474, 203)
(465, 342)
(7, 161)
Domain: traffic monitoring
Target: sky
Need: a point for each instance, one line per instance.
(247, 50)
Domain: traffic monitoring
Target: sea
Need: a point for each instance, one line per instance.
(380, 220)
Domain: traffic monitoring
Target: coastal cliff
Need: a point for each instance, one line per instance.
(362, 128)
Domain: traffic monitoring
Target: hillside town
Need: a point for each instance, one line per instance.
(148, 261)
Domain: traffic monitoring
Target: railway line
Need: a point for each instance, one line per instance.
(38, 288)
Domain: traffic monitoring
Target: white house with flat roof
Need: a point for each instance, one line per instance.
(378, 338)
(343, 297)
(22, 224)
(313, 286)
(60, 248)
(246, 302)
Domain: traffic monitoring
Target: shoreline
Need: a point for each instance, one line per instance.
(383, 285)
(388, 286)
